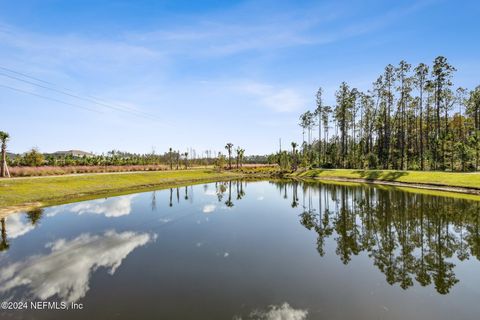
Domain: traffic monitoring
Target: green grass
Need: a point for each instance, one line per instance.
(261, 170)
(41, 191)
(448, 179)
(431, 192)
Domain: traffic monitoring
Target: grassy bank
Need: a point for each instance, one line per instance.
(24, 193)
(433, 178)
(41, 191)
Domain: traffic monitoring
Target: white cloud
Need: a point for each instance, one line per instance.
(150, 68)
(275, 98)
(208, 208)
(219, 38)
(79, 50)
(249, 29)
(66, 270)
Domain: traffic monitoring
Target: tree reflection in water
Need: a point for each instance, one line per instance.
(33, 216)
(407, 235)
(4, 245)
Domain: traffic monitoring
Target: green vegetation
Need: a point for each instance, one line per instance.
(35, 163)
(406, 188)
(465, 180)
(411, 119)
(34, 158)
(54, 190)
(229, 147)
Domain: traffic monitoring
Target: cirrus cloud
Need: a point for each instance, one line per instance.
(275, 98)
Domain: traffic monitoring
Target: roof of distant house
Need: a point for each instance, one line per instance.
(75, 153)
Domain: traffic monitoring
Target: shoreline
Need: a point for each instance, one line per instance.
(454, 180)
(425, 186)
(23, 194)
(94, 186)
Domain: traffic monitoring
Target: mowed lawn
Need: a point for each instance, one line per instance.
(60, 189)
(451, 179)
(54, 189)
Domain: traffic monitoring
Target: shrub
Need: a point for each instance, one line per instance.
(33, 158)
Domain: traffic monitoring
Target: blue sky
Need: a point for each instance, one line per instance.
(209, 72)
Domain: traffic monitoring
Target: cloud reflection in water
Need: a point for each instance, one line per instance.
(282, 312)
(111, 207)
(66, 270)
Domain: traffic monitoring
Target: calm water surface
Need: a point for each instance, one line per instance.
(237, 250)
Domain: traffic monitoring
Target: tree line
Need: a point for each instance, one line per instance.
(412, 118)
(172, 159)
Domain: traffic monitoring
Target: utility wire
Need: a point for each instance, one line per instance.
(55, 90)
(25, 75)
(53, 84)
(93, 99)
(48, 98)
(71, 95)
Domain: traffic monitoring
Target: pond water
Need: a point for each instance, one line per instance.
(247, 250)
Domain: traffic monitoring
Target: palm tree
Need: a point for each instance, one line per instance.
(170, 158)
(186, 160)
(178, 159)
(229, 147)
(241, 154)
(238, 156)
(4, 138)
(294, 146)
(294, 156)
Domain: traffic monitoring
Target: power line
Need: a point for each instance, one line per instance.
(48, 98)
(25, 75)
(93, 99)
(52, 89)
(70, 94)
(46, 82)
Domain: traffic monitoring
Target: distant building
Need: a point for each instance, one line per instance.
(74, 153)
